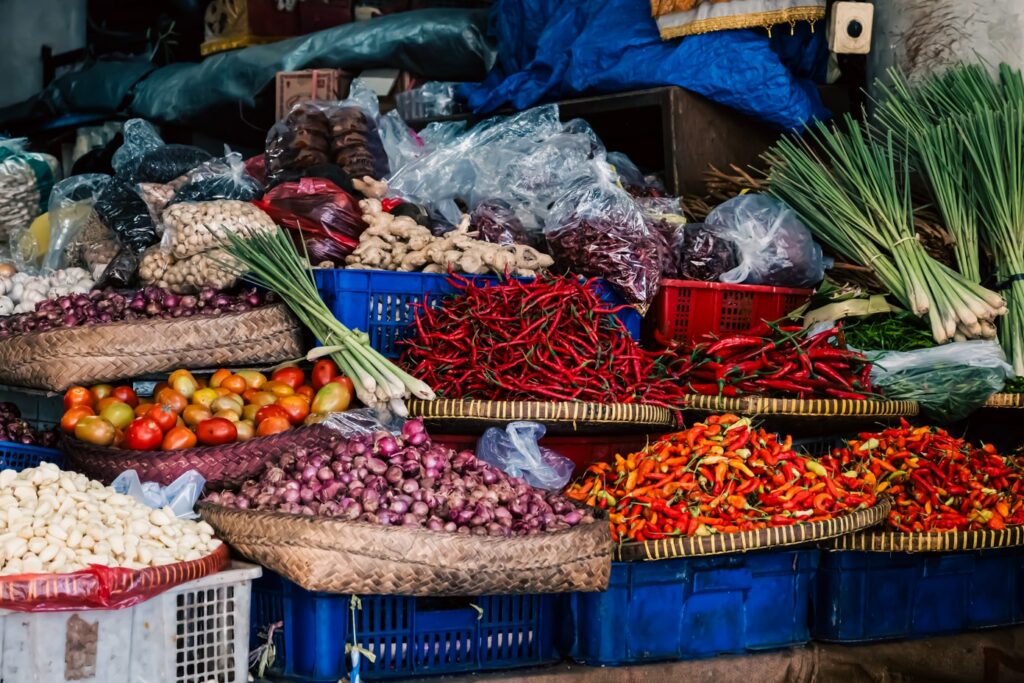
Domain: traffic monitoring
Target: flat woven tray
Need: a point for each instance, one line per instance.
(1005, 400)
(222, 466)
(362, 558)
(470, 416)
(57, 359)
(932, 542)
(723, 544)
(795, 407)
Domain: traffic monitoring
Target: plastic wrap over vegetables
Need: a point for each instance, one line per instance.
(516, 451)
(219, 179)
(495, 221)
(318, 212)
(169, 162)
(949, 381)
(596, 229)
(140, 137)
(180, 496)
(774, 247)
(78, 238)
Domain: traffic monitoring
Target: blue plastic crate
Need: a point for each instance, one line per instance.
(381, 302)
(864, 597)
(692, 608)
(410, 636)
(18, 456)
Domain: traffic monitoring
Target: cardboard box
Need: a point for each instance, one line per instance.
(293, 87)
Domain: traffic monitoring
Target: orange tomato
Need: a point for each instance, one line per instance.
(345, 382)
(306, 392)
(234, 384)
(218, 377)
(180, 373)
(202, 382)
(106, 401)
(193, 415)
(70, 419)
(173, 399)
(278, 388)
(101, 391)
(290, 375)
(178, 438)
(77, 396)
(296, 407)
(95, 430)
(267, 412)
(126, 394)
(164, 416)
(143, 408)
(158, 386)
(119, 438)
(333, 397)
(221, 391)
(273, 425)
(248, 395)
(254, 379)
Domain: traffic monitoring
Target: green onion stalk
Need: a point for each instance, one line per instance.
(853, 191)
(271, 261)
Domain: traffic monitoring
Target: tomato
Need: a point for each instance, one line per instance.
(118, 414)
(248, 395)
(234, 384)
(221, 391)
(232, 415)
(95, 430)
(171, 398)
(178, 438)
(202, 382)
(264, 398)
(143, 434)
(159, 386)
(290, 375)
(253, 379)
(77, 396)
(193, 415)
(230, 402)
(119, 438)
(333, 397)
(345, 382)
(104, 402)
(186, 386)
(164, 417)
(306, 392)
(126, 395)
(218, 377)
(246, 430)
(204, 397)
(101, 391)
(296, 407)
(72, 416)
(267, 412)
(216, 431)
(249, 412)
(273, 425)
(278, 388)
(323, 372)
(143, 408)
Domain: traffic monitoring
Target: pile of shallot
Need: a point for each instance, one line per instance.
(106, 306)
(404, 480)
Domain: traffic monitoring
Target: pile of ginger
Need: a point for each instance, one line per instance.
(400, 243)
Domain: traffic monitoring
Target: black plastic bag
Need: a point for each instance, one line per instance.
(164, 164)
(122, 210)
(219, 179)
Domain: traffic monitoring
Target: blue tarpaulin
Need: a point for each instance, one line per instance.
(554, 49)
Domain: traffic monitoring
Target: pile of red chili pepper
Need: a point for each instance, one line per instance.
(771, 360)
(938, 482)
(718, 477)
(550, 338)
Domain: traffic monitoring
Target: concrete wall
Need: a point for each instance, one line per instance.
(25, 26)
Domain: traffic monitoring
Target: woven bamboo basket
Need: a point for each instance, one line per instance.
(777, 537)
(930, 542)
(57, 359)
(471, 416)
(362, 558)
(1005, 400)
(103, 587)
(222, 466)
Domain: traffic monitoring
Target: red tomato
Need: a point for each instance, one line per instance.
(271, 411)
(323, 372)
(71, 418)
(77, 396)
(101, 391)
(143, 434)
(164, 417)
(143, 408)
(216, 431)
(170, 397)
(306, 392)
(126, 395)
(273, 425)
(290, 375)
(296, 408)
(178, 438)
(345, 382)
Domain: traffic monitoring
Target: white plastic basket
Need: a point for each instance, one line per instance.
(197, 632)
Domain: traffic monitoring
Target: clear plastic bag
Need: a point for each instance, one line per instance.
(773, 246)
(494, 220)
(71, 211)
(191, 228)
(515, 450)
(180, 495)
(596, 229)
(224, 178)
(401, 143)
(702, 254)
(167, 163)
(26, 179)
(949, 381)
(140, 137)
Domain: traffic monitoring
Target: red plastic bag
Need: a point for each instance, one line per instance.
(102, 587)
(319, 212)
(256, 167)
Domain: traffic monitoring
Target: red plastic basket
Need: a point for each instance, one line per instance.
(685, 310)
(581, 450)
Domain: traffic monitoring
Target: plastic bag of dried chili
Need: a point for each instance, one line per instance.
(596, 229)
